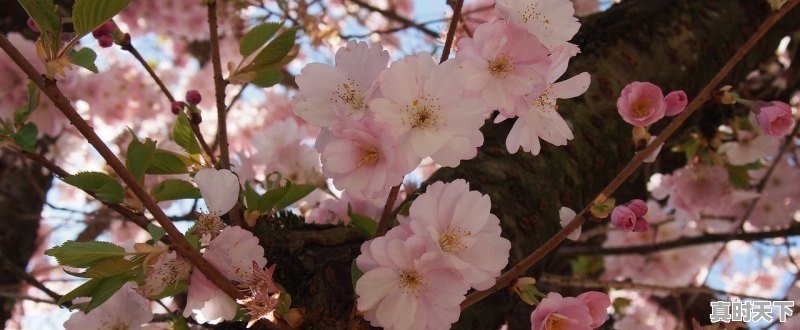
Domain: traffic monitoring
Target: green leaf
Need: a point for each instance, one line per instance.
(103, 186)
(139, 156)
(363, 223)
(106, 267)
(267, 78)
(84, 254)
(23, 113)
(43, 13)
(173, 189)
(84, 290)
(168, 162)
(586, 266)
(25, 137)
(274, 52)
(108, 287)
(184, 136)
(268, 200)
(257, 37)
(87, 15)
(156, 232)
(84, 58)
(194, 240)
(251, 197)
(294, 194)
(355, 273)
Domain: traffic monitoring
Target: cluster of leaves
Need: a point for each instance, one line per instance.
(21, 132)
(262, 68)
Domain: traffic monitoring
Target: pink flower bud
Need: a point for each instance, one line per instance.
(177, 107)
(106, 28)
(676, 102)
(32, 25)
(775, 118)
(641, 103)
(623, 218)
(641, 225)
(638, 206)
(193, 97)
(105, 41)
(195, 118)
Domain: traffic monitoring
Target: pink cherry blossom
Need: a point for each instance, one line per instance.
(552, 21)
(749, 148)
(676, 102)
(538, 114)
(557, 312)
(467, 233)
(641, 104)
(425, 106)
(363, 159)
(504, 62)
(126, 309)
(623, 218)
(697, 187)
(166, 270)
(406, 285)
(233, 252)
(638, 206)
(329, 93)
(775, 118)
(597, 302)
(334, 211)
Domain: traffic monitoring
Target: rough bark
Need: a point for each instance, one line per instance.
(22, 188)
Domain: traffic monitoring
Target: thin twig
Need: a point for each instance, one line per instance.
(126, 45)
(20, 273)
(181, 244)
(705, 94)
(451, 31)
(400, 19)
(383, 223)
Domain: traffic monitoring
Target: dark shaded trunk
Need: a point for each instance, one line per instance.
(22, 191)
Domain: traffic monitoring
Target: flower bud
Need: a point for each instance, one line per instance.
(105, 41)
(774, 118)
(676, 102)
(623, 218)
(641, 225)
(193, 97)
(638, 206)
(177, 107)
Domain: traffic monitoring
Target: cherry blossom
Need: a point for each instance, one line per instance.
(749, 148)
(426, 107)
(597, 302)
(126, 309)
(406, 285)
(540, 119)
(641, 104)
(558, 312)
(552, 21)
(330, 93)
(233, 252)
(775, 118)
(165, 270)
(363, 159)
(504, 62)
(459, 220)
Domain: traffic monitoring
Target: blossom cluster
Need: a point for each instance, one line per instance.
(586, 311)
(416, 275)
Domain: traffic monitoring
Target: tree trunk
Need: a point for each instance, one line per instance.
(22, 191)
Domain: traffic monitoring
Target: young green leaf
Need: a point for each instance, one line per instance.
(139, 156)
(108, 287)
(267, 78)
(103, 186)
(168, 162)
(22, 114)
(106, 268)
(355, 273)
(173, 189)
(184, 136)
(156, 232)
(274, 52)
(257, 37)
(87, 15)
(84, 254)
(25, 137)
(295, 193)
(366, 225)
(268, 200)
(251, 197)
(84, 58)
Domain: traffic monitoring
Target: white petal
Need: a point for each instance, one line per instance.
(220, 189)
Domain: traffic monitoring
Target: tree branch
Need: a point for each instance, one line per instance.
(400, 19)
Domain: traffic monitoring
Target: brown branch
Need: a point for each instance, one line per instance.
(705, 94)
(451, 31)
(126, 45)
(680, 242)
(49, 88)
(222, 114)
(383, 223)
(400, 19)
